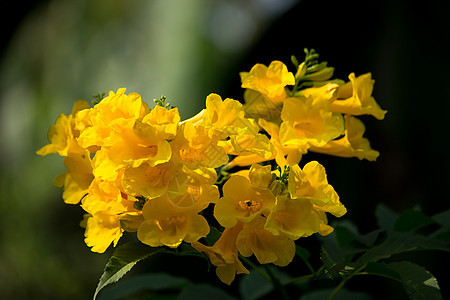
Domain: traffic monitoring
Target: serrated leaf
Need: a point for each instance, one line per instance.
(204, 292)
(411, 220)
(400, 242)
(418, 283)
(143, 282)
(385, 217)
(122, 260)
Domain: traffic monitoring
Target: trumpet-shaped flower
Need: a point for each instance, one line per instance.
(62, 135)
(258, 107)
(138, 145)
(150, 181)
(352, 144)
(224, 254)
(355, 97)
(102, 229)
(169, 224)
(193, 146)
(308, 122)
(267, 247)
(115, 112)
(164, 120)
(225, 118)
(269, 81)
(78, 177)
(312, 183)
(243, 201)
(296, 218)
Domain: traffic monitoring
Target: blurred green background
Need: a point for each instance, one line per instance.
(57, 51)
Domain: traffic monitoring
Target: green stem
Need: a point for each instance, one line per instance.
(298, 278)
(339, 287)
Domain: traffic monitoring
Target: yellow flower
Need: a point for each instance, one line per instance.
(139, 144)
(164, 120)
(224, 254)
(102, 229)
(295, 218)
(355, 97)
(312, 183)
(149, 181)
(168, 224)
(258, 107)
(225, 118)
(193, 146)
(246, 144)
(267, 247)
(243, 201)
(327, 92)
(269, 81)
(308, 122)
(105, 168)
(115, 112)
(77, 179)
(62, 135)
(353, 144)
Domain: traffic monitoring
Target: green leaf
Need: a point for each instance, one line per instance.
(213, 235)
(411, 220)
(385, 217)
(380, 269)
(254, 286)
(144, 282)
(343, 294)
(400, 242)
(418, 283)
(302, 252)
(443, 219)
(204, 292)
(122, 260)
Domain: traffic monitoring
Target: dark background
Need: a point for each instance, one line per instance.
(403, 44)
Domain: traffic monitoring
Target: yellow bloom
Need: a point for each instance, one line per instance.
(327, 92)
(164, 120)
(355, 97)
(77, 179)
(295, 218)
(149, 181)
(267, 247)
(243, 201)
(115, 112)
(105, 168)
(258, 107)
(62, 135)
(193, 146)
(224, 254)
(353, 144)
(247, 144)
(308, 122)
(107, 196)
(168, 224)
(269, 81)
(102, 229)
(225, 118)
(139, 144)
(312, 183)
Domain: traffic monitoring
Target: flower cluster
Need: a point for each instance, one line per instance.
(140, 169)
